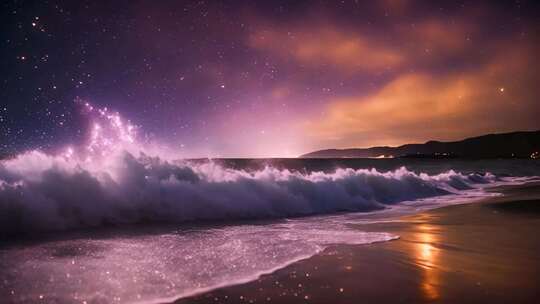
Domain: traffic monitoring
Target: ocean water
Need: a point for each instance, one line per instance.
(133, 229)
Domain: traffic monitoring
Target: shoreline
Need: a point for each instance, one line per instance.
(445, 255)
(337, 266)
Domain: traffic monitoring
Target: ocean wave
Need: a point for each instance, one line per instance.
(40, 192)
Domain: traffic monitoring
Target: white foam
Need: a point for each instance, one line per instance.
(40, 192)
(163, 267)
(111, 179)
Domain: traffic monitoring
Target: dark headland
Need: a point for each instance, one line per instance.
(505, 145)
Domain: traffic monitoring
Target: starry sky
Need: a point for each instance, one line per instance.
(268, 78)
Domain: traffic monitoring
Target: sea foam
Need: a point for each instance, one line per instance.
(41, 192)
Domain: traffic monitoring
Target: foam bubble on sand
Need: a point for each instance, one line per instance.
(162, 267)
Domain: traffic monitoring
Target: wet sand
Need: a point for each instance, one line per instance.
(486, 252)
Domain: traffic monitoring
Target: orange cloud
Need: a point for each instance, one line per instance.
(404, 45)
(328, 46)
(415, 107)
(436, 37)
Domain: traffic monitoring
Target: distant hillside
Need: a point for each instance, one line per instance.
(515, 144)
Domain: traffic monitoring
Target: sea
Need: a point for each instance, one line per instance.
(143, 229)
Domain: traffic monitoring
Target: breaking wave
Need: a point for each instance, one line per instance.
(40, 192)
(112, 180)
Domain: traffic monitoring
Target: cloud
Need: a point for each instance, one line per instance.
(396, 47)
(420, 106)
(440, 82)
(435, 38)
(410, 78)
(327, 46)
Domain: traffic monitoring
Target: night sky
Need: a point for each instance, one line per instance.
(273, 78)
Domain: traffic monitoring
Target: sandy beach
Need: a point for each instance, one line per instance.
(484, 252)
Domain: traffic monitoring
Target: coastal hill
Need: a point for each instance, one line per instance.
(506, 145)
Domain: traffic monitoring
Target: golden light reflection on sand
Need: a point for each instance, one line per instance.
(427, 258)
